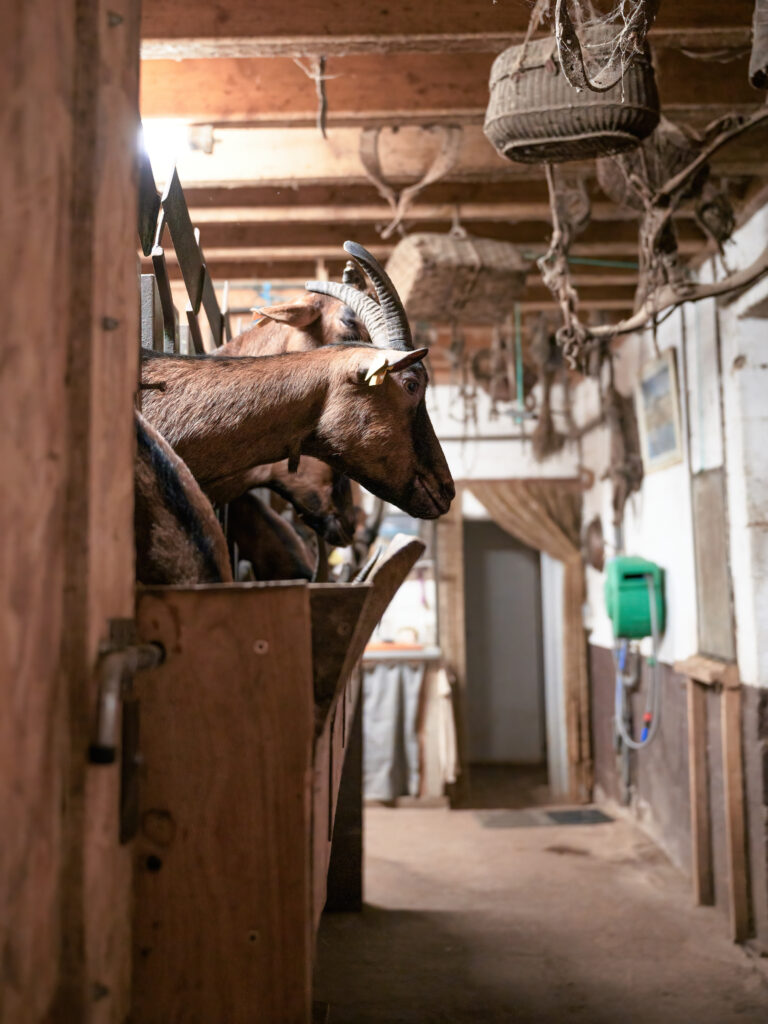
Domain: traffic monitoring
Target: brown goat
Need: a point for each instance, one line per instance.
(222, 416)
(308, 322)
(267, 541)
(359, 409)
(178, 538)
(320, 495)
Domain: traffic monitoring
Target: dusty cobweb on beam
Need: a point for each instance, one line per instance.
(664, 283)
(597, 42)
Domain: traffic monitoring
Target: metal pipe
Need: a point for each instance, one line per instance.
(115, 671)
(589, 261)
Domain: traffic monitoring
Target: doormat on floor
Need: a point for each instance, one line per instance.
(534, 818)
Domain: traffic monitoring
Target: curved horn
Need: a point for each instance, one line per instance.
(394, 312)
(369, 311)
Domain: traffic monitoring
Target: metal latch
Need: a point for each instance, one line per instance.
(115, 670)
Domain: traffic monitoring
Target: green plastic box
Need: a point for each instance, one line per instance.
(626, 596)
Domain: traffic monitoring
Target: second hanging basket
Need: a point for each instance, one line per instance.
(457, 277)
(535, 116)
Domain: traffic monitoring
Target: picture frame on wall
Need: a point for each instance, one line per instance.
(657, 401)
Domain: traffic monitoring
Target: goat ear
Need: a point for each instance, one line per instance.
(300, 313)
(377, 370)
(380, 362)
(408, 360)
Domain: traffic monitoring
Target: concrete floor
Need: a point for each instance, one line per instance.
(466, 923)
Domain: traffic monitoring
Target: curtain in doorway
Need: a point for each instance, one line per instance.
(546, 515)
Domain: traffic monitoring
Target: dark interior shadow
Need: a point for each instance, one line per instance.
(411, 967)
(508, 787)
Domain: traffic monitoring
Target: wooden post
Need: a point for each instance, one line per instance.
(449, 535)
(703, 671)
(38, 52)
(70, 95)
(733, 781)
(701, 839)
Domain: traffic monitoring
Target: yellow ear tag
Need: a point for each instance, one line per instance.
(378, 371)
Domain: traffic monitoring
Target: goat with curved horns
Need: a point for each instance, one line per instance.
(359, 408)
(321, 496)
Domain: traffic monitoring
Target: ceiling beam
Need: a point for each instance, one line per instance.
(281, 263)
(476, 195)
(293, 274)
(391, 89)
(325, 235)
(314, 27)
(285, 160)
(382, 214)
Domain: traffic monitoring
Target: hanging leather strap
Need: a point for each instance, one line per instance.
(443, 162)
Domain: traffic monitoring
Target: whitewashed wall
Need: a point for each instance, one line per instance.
(724, 422)
(481, 452)
(657, 520)
(744, 330)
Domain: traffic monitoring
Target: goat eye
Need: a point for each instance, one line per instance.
(411, 386)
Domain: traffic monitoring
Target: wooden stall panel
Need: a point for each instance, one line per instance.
(337, 757)
(223, 905)
(37, 59)
(321, 810)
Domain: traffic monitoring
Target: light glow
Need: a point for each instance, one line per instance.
(165, 140)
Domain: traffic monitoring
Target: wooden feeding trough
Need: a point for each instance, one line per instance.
(244, 731)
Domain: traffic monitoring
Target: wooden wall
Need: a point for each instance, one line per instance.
(68, 77)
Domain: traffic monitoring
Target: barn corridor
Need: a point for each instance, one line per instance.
(465, 922)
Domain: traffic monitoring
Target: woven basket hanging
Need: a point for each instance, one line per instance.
(535, 116)
(663, 154)
(456, 277)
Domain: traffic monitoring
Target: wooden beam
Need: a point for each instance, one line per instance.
(520, 193)
(708, 671)
(390, 89)
(537, 210)
(312, 27)
(532, 235)
(733, 780)
(247, 163)
(701, 839)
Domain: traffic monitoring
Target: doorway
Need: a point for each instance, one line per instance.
(505, 660)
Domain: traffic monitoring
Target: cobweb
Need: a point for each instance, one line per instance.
(599, 39)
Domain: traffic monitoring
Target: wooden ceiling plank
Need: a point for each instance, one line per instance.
(323, 235)
(378, 214)
(362, 89)
(333, 26)
(300, 157)
(253, 259)
(195, 48)
(296, 272)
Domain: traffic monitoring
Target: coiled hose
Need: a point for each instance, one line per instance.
(652, 711)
